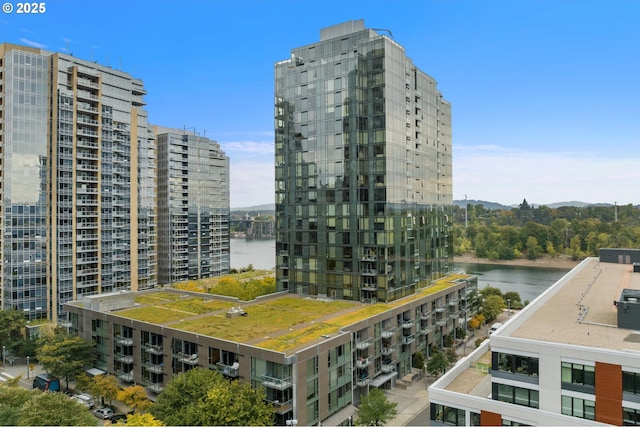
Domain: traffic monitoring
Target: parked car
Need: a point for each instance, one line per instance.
(103, 413)
(85, 399)
(45, 383)
(117, 417)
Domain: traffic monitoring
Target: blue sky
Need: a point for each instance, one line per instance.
(545, 94)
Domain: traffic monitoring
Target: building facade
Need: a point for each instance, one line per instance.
(77, 182)
(314, 357)
(193, 203)
(565, 359)
(363, 169)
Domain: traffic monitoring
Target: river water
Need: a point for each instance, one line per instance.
(529, 282)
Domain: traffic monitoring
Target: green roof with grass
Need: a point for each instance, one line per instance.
(281, 323)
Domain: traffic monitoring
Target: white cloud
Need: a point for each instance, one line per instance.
(254, 147)
(507, 176)
(33, 44)
(252, 182)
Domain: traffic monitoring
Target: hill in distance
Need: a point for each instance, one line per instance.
(460, 203)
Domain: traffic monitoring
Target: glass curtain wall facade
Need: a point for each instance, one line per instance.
(193, 200)
(363, 169)
(24, 102)
(91, 229)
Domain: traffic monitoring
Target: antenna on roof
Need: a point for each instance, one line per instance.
(383, 29)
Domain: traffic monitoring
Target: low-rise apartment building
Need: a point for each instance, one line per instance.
(568, 358)
(314, 357)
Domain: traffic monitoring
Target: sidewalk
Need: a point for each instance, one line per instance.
(411, 401)
(19, 369)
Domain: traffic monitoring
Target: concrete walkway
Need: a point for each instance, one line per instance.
(411, 400)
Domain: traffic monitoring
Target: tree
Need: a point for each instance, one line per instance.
(490, 290)
(12, 324)
(418, 360)
(141, 420)
(204, 397)
(63, 355)
(492, 306)
(11, 399)
(533, 248)
(375, 409)
(136, 397)
(438, 363)
(105, 387)
(53, 409)
(514, 297)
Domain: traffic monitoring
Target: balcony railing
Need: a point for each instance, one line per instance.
(228, 370)
(363, 362)
(277, 383)
(281, 407)
(190, 359)
(388, 368)
(387, 334)
(363, 344)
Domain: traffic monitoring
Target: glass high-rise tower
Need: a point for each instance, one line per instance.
(363, 169)
(77, 182)
(193, 207)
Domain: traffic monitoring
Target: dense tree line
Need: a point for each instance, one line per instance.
(532, 232)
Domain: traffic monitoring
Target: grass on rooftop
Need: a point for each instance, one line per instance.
(168, 309)
(263, 320)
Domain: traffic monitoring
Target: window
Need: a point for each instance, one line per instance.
(517, 395)
(576, 373)
(631, 382)
(577, 407)
(516, 364)
(630, 417)
(447, 415)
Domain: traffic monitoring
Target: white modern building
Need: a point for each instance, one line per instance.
(562, 360)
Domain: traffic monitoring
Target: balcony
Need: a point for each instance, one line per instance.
(124, 376)
(425, 315)
(123, 358)
(122, 340)
(369, 286)
(439, 309)
(386, 334)
(388, 368)
(441, 322)
(363, 382)
(387, 351)
(453, 303)
(189, 359)
(408, 339)
(363, 362)
(406, 324)
(231, 371)
(153, 348)
(369, 272)
(154, 368)
(156, 387)
(277, 383)
(363, 344)
(281, 407)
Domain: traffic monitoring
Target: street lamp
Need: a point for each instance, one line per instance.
(509, 306)
(4, 350)
(28, 366)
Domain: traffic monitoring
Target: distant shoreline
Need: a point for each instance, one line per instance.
(544, 262)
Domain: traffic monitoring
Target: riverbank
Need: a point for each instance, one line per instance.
(544, 262)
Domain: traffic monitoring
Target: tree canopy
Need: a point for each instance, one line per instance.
(204, 397)
(542, 231)
(136, 397)
(63, 355)
(12, 325)
(22, 407)
(375, 409)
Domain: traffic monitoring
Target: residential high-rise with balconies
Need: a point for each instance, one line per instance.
(77, 182)
(363, 169)
(193, 207)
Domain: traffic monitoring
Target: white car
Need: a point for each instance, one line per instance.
(85, 399)
(103, 413)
